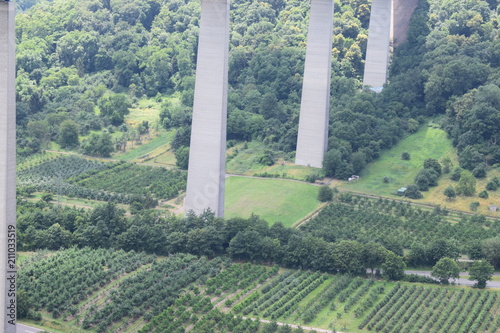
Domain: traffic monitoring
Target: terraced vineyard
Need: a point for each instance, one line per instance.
(133, 292)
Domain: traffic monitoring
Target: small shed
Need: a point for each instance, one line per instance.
(494, 208)
(401, 191)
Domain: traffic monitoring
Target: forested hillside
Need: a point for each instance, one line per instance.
(450, 67)
(83, 64)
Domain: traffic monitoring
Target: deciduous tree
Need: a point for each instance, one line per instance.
(481, 271)
(445, 269)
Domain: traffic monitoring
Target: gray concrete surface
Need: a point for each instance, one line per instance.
(207, 155)
(315, 104)
(27, 329)
(378, 48)
(7, 168)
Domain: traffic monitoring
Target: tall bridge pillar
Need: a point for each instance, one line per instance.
(8, 275)
(314, 110)
(207, 153)
(378, 48)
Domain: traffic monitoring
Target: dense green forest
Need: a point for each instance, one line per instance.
(83, 64)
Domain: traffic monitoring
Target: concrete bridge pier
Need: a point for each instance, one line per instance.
(314, 109)
(8, 275)
(378, 48)
(207, 154)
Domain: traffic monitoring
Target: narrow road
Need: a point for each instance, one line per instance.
(461, 281)
(20, 328)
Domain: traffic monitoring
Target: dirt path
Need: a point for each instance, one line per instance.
(326, 182)
(306, 328)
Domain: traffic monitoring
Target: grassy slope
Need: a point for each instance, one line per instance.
(242, 160)
(156, 147)
(272, 199)
(429, 142)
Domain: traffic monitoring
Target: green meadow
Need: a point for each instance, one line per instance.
(272, 199)
(429, 142)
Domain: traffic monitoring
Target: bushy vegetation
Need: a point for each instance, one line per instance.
(449, 66)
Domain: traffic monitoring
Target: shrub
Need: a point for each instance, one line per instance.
(432, 163)
(467, 184)
(325, 194)
(182, 158)
(413, 192)
(313, 177)
(446, 169)
(386, 180)
(455, 175)
(449, 192)
(484, 194)
(479, 171)
(493, 184)
(474, 205)
(267, 158)
(405, 156)
(426, 178)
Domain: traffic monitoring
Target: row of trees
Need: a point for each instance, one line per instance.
(447, 268)
(242, 239)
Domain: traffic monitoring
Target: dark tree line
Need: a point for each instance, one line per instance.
(241, 239)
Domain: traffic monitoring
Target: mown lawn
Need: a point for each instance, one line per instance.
(272, 199)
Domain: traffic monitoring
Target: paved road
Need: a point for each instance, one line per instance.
(461, 281)
(20, 328)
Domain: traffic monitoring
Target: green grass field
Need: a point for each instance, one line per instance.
(146, 110)
(429, 142)
(272, 199)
